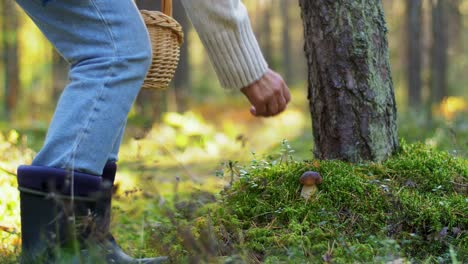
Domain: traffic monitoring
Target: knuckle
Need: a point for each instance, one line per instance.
(277, 91)
(282, 107)
(262, 100)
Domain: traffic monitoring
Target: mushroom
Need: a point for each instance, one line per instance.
(309, 180)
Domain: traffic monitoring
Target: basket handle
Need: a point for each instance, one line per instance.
(166, 7)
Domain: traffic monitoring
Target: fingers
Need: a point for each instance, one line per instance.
(261, 98)
(282, 103)
(261, 110)
(253, 111)
(273, 107)
(269, 96)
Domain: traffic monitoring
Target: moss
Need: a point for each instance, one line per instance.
(404, 207)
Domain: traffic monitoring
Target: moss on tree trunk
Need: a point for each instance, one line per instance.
(350, 86)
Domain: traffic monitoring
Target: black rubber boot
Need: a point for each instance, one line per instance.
(65, 218)
(103, 210)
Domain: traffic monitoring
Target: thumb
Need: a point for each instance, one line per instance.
(253, 111)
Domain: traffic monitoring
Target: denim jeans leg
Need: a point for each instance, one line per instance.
(114, 155)
(107, 45)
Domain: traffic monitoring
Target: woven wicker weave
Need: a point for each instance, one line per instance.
(166, 38)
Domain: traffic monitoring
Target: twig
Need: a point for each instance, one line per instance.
(8, 172)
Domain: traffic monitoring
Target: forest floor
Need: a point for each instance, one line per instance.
(174, 180)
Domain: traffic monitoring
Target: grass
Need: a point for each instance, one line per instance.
(411, 207)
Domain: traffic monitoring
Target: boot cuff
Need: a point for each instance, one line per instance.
(47, 179)
(109, 171)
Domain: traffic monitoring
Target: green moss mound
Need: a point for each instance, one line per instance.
(412, 206)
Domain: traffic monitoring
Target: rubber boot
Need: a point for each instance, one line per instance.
(103, 210)
(62, 220)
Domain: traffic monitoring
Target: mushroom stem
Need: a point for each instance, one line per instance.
(309, 180)
(308, 191)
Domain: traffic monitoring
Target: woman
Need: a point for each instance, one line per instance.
(107, 46)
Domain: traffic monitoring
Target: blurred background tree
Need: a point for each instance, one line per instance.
(414, 52)
(10, 58)
(439, 50)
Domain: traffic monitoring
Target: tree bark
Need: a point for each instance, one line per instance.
(350, 86)
(439, 51)
(11, 65)
(414, 51)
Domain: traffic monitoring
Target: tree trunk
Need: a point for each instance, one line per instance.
(350, 86)
(414, 51)
(60, 69)
(266, 42)
(455, 22)
(182, 83)
(286, 40)
(439, 51)
(150, 104)
(11, 65)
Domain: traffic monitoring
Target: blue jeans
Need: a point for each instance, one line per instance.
(109, 51)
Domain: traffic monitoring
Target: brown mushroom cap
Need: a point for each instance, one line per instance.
(310, 178)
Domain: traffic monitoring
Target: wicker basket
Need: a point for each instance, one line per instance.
(166, 38)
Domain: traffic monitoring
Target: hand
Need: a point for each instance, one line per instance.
(269, 96)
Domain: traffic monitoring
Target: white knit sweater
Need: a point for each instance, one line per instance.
(225, 31)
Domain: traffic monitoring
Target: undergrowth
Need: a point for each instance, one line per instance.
(413, 207)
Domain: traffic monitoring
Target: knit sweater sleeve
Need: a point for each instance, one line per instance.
(225, 31)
